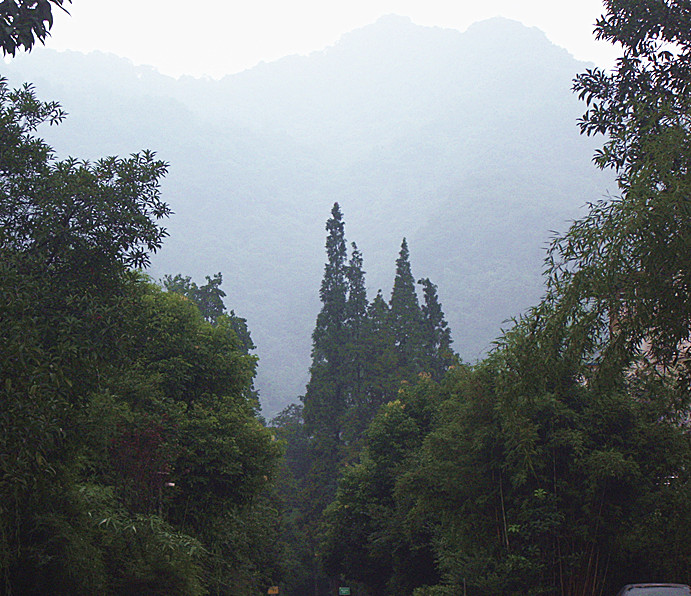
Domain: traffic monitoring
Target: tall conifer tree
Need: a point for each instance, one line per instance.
(325, 397)
(436, 342)
(405, 316)
(381, 356)
(356, 320)
(356, 306)
(329, 329)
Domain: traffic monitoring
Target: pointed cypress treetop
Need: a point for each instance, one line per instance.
(356, 307)
(333, 286)
(328, 332)
(431, 309)
(378, 313)
(405, 314)
(438, 354)
(404, 297)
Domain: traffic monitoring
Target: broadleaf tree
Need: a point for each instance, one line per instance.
(24, 22)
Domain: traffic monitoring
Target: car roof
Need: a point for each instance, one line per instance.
(628, 587)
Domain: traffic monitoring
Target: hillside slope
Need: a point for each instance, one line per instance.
(465, 143)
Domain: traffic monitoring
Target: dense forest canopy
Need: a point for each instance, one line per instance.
(133, 455)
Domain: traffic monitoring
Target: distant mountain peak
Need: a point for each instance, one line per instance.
(502, 26)
(386, 26)
(393, 20)
(392, 34)
(502, 31)
(463, 141)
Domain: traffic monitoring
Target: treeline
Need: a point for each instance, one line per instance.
(132, 458)
(363, 352)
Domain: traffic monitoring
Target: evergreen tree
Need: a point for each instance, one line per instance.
(436, 346)
(405, 316)
(325, 399)
(356, 305)
(381, 356)
(328, 333)
(325, 396)
(356, 320)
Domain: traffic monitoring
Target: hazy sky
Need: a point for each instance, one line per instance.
(218, 37)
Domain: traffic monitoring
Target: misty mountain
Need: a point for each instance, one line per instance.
(465, 143)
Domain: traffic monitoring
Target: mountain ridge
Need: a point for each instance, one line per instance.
(471, 151)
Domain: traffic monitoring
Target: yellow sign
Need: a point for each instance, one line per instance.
(273, 590)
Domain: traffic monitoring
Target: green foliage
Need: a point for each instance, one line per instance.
(297, 507)
(531, 478)
(142, 553)
(180, 442)
(328, 332)
(325, 398)
(68, 232)
(356, 304)
(560, 465)
(370, 537)
(405, 316)
(209, 300)
(362, 353)
(567, 442)
(330, 388)
(189, 357)
(131, 457)
(381, 357)
(436, 335)
(69, 218)
(23, 22)
(354, 356)
(192, 377)
(628, 259)
(554, 464)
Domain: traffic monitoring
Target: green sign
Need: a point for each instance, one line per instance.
(343, 591)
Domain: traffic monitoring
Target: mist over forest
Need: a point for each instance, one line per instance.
(464, 143)
(407, 316)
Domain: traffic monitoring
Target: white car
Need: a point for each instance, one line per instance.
(655, 590)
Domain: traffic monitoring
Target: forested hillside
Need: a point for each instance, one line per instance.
(134, 456)
(464, 143)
